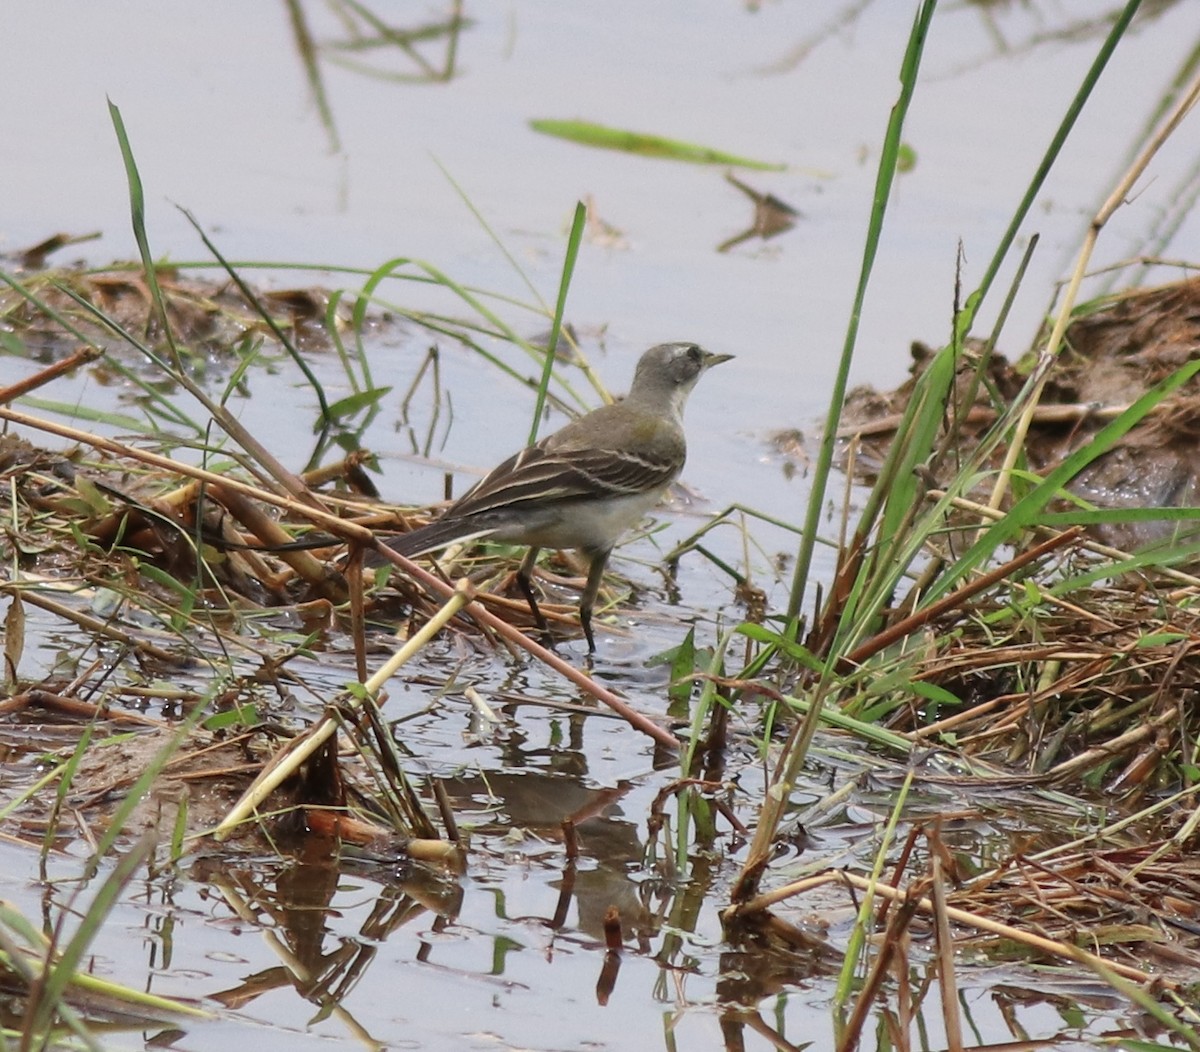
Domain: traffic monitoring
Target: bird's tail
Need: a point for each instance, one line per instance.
(429, 538)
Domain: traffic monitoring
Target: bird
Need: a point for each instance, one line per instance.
(582, 486)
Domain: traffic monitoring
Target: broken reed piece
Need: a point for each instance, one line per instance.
(614, 939)
(350, 829)
(51, 372)
(570, 840)
(270, 534)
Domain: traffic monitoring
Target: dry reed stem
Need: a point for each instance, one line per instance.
(947, 980)
(1054, 343)
(1113, 747)
(343, 528)
(1057, 413)
(271, 535)
(581, 679)
(763, 902)
(92, 624)
(889, 949)
(1095, 547)
(76, 708)
(906, 626)
(51, 372)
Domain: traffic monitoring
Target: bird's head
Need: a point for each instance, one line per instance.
(667, 373)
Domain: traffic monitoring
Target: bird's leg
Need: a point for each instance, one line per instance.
(525, 583)
(588, 599)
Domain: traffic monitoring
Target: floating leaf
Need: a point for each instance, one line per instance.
(238, 716)
(683, 666)
(647, 145)
(353, 404)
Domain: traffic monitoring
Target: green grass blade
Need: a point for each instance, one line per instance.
(491, 233)
(467, 296)
(43, 307)
(62, 971)
(137, 209)
(588, 134)
(1120, 25)
(857, 943)
(291, 349)
(564, 285)
(888, 162)
(75, 411)
(167, 408)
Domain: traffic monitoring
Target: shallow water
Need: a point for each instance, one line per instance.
(223, 121)
(514, 953)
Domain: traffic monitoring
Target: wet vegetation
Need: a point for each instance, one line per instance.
(1011, 639)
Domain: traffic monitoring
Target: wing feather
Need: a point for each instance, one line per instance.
(541, 475)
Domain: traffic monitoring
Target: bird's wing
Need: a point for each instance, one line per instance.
(552, 474)
(538, 476)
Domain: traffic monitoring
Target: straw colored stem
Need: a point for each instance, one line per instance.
(288, 762)
(94, 624)
(1054, 343)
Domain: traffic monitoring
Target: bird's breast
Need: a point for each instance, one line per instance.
(586, 525)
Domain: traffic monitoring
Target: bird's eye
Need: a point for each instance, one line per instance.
(694, 352)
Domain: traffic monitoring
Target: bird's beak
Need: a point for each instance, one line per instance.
(715, 359)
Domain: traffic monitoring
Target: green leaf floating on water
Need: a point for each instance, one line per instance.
(647, 145)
